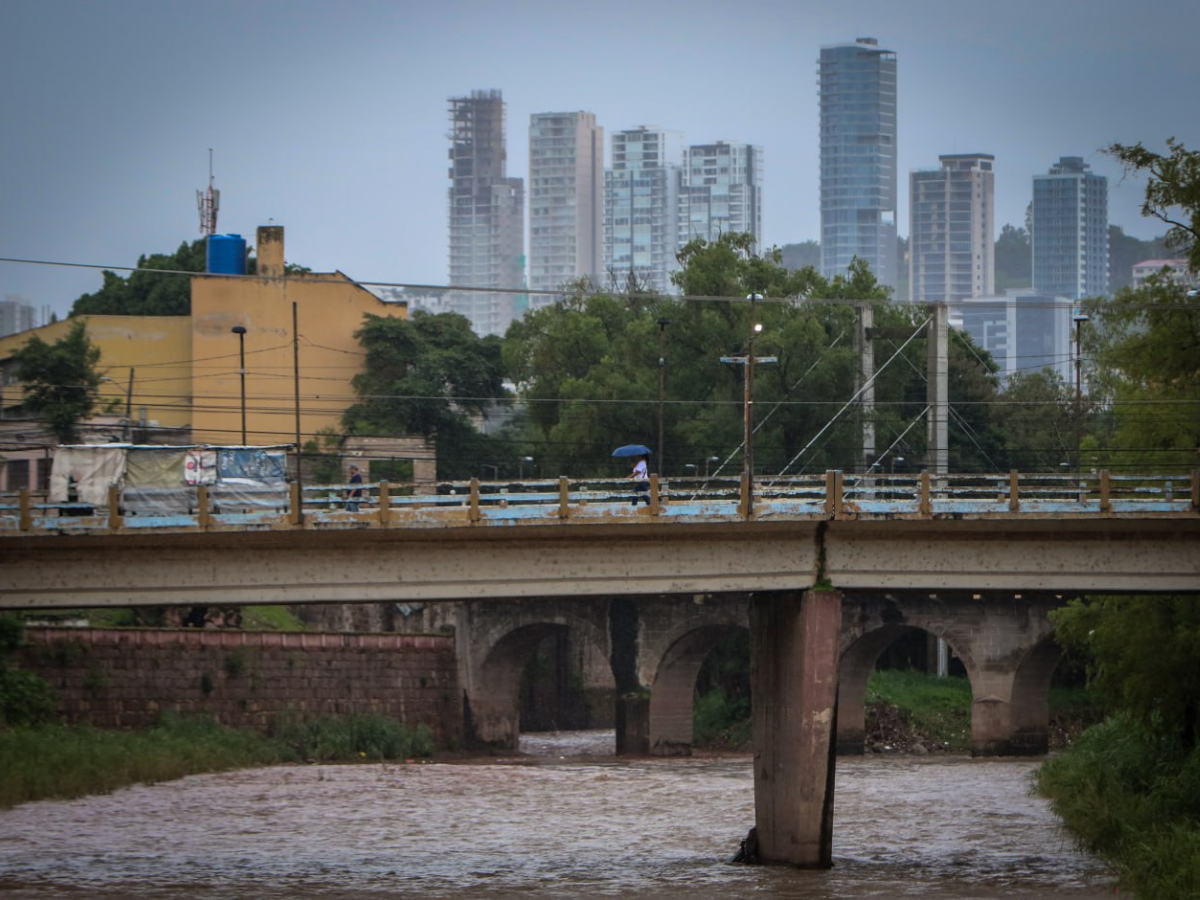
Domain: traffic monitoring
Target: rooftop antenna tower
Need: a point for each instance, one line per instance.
(208, 202)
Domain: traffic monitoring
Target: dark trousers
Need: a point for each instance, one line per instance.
(641, 491)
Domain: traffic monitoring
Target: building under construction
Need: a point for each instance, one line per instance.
(486, 215)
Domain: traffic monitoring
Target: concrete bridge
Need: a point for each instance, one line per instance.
(824, 574)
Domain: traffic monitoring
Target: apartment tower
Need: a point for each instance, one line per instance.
(486, 216)
(951, 230)
(1070, 231)
(566, 201)
(722, 191)
(858, 158)
(641, 209)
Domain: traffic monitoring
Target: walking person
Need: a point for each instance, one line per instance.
(640, 476)
(354, 495)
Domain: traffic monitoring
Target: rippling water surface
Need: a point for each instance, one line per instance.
(567, 820)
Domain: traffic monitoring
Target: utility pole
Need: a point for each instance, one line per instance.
(749, 361)
(662, 372)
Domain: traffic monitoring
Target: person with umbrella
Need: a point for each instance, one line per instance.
(640, 476)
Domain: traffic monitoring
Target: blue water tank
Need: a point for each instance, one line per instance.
(226, 254)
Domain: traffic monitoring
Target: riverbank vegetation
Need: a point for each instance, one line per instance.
(52, 761)
(1129, 789)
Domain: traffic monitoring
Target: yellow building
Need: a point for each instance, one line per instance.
(146, 362)
(328, 310)
(176, 372)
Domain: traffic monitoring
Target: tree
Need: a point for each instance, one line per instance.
(1014, 259)
(1125, 252)
(147, 293)
(61, 381)
(1143, 652)
(1172, 192)
(430, 375)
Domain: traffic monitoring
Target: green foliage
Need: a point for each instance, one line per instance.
(1130, 794)
(25, 698)
(1013, 259)
(933, 709)
(322, 460)
(1039, 422)
(1146, 347)
(148, 293)
(60, 379)
(325, 738)
(271, 618)
(1126, 251)
(1144, 653)
(1172, 191)
(588, 366)
(429, 374)
(63, 762)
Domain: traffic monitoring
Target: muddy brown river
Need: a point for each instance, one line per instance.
(565, 821)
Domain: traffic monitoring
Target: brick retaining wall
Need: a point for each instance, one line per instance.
(124, 678)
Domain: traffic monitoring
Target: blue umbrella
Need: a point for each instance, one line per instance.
(632, 450)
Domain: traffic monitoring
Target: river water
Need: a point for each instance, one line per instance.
(566, 820)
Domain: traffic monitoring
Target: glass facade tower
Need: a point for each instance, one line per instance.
(858, 158)
(1070, 231)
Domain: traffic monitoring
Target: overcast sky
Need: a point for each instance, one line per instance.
(331, 118)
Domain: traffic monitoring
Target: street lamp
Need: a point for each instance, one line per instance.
(240, 331)
(749, 361)
(1080, 318)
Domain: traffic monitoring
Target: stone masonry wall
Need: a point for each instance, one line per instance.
(124, 678)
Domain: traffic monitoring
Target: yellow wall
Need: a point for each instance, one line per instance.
(329, 307)
(157, 348)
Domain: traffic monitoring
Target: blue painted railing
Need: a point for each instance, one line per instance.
(831, 495)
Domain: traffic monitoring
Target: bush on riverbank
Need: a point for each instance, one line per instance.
(63, 762)
(1133, 796)
(904, 708)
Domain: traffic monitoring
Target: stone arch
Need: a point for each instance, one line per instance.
(673, 692)
(857, 661)
(1031, 698)
(496, 643)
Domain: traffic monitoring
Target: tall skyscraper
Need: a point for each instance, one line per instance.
(566, 201)
(641, 209)
(722, 191)
(486, 215)
(1070, 231)
(951, 232)
(858, 158)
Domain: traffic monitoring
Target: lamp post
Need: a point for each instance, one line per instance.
(1080, 318)
(749, 361)
(662, 370)
(240, 331)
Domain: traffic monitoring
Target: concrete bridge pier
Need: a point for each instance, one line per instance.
(794, 666)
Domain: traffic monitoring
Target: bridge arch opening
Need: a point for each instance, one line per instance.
(676, 684)
(539, 674)
(892, 645)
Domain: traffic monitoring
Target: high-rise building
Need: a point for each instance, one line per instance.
(486, 215)
(951, 250)
(641, 209)
(858, 158)
(16, 316)
(566, 201)
(1023, 330)
(1070, 231)
(722, 191)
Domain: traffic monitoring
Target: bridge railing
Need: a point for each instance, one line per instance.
(828, 495)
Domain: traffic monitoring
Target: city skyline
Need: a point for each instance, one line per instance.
(336, 126)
